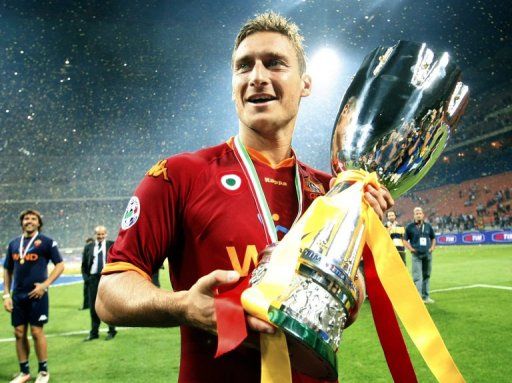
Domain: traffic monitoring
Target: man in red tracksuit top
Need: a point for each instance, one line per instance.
(202, 211)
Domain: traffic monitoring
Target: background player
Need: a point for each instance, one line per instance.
(26, 267)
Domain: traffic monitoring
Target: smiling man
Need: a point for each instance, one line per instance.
(26, 269)
(210, 213)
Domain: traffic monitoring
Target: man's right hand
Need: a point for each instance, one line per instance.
(200, 302)
(8, 305)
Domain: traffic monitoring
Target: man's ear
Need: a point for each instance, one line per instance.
(306, 85)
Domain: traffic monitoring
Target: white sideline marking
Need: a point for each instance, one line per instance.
(81, 332)
(509, 288)
(473, 287)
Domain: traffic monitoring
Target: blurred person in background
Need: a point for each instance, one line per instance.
(420, 239)
(93, 260)
(85, 277)
(26, 270)
(396, 232)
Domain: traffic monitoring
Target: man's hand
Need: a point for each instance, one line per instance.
(379, 199)
(38, 292)
(200, 306)
(8, 304)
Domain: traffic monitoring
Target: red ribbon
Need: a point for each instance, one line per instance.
(390, 336)
(231, 327)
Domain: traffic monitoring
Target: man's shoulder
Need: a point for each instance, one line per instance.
(46, 240)
(188, 163)
(202, 156)
(309, 172)
(321, 175)
(89, 246)
(14, 241)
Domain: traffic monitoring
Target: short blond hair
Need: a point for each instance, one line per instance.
(274, 22)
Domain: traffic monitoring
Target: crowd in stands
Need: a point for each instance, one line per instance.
(483, 203)
(80, 133)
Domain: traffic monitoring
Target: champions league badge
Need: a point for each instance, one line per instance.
(131, 215)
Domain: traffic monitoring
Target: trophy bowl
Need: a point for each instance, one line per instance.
(394, 120)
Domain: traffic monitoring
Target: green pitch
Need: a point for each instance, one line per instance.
(475, 323)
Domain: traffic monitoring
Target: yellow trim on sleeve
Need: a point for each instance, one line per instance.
(118, 267)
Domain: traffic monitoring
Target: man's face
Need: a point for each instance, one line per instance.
(391, 216)
(100, 234)
(267, 85)
(30, 223)
(418, 215)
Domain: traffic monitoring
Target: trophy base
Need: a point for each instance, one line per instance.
(309, 353)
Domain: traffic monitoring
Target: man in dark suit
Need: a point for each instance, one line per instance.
(85, 304)
(94, 258)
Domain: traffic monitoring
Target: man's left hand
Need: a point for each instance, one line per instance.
(38, 291)
(379, 199)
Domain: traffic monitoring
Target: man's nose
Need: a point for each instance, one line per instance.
(259, 75)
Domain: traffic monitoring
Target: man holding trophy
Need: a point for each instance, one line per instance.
(211, 212)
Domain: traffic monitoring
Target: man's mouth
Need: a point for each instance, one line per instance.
(260, 99)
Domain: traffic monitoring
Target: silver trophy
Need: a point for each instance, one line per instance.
(395, 120)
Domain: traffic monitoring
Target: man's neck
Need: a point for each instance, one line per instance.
(275, 146)
(29, 234)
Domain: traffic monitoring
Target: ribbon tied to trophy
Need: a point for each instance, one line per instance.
(393, 123)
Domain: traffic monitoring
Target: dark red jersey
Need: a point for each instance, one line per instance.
(197, 210)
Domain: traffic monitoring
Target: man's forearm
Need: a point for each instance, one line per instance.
(408, 246)
(7, 281)
(433, 245)
(56, 272)
(128, 299)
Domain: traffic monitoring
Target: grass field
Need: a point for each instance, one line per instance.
(475, 322)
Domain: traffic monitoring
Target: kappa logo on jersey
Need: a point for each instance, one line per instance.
(231, 182)
(42, 318)
(54, 244)
(159, 169)
(275, 182)
(131, 215)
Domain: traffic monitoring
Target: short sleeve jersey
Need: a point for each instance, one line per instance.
(34, 266)
(197, 210)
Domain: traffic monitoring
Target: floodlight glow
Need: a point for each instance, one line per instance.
(324, 67)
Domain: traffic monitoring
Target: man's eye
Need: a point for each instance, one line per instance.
(242, 67)
(275, 62)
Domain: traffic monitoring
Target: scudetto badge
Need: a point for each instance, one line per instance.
(231, 181)
(131, 215)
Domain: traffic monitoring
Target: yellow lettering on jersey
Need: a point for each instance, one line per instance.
(159, 169)
(275, 182)
(251, 254)
(31, 257)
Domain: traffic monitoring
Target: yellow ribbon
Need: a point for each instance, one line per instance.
(392, 273)
(275, 366)
(403, 293)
